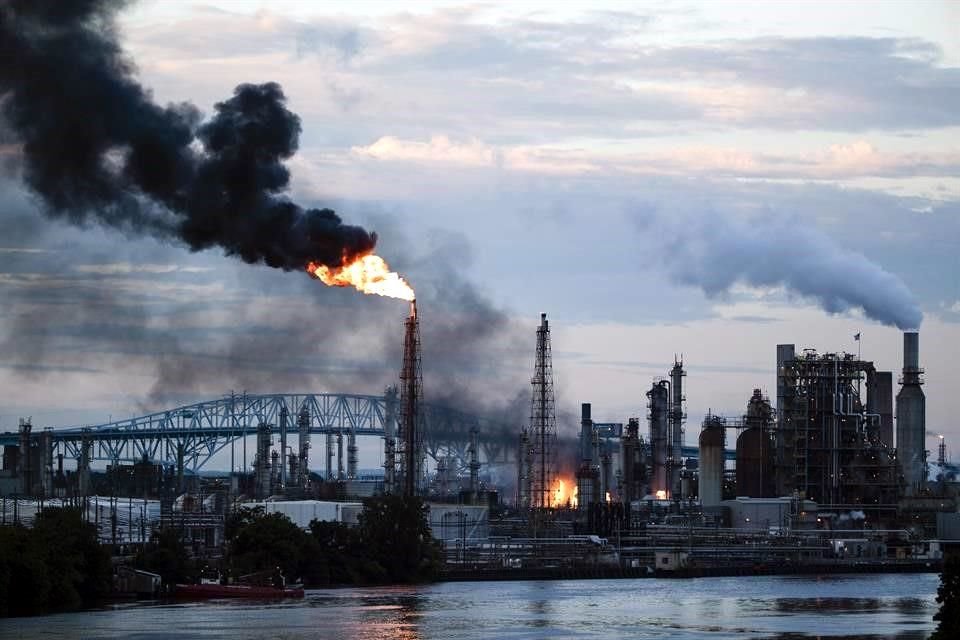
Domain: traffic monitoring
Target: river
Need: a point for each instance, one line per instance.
(783, 607)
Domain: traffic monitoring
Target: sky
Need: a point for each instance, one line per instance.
(662, 179)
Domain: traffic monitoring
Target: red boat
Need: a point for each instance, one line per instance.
(209, 591)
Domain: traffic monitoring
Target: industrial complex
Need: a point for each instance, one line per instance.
(833, 473)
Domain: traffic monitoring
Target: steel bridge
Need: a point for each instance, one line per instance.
(204, 429)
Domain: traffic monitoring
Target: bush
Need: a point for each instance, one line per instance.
(948, 597)
(56, 566)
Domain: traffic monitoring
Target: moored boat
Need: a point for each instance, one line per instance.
(210, 591)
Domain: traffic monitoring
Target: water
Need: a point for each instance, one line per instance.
(781, 607)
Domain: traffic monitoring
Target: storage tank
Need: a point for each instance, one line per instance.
(712, 442)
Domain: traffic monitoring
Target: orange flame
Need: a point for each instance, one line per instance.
(563, 493)
(368, 273)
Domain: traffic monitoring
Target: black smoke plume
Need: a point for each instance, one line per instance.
(94, 145)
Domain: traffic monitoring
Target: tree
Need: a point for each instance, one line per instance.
(57, 565)
(395, 532)
(262, 542)
(948, 597)
(166, 556)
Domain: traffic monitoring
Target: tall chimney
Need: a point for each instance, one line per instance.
(911, 417)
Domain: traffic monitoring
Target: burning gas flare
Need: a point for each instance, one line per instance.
(563, 493)
(368, 273)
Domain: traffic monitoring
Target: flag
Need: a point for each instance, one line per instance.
(856, 336)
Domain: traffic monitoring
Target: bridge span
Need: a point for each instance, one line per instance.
(204, 429)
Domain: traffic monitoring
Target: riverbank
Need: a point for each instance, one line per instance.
(602, 572)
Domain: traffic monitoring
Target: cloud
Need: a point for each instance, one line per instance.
(519, 79)
(116, 268)
(837, 162)
(439, 149)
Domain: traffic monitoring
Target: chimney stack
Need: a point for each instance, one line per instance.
(911, 418)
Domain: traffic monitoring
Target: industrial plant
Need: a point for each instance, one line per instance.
(834, 475)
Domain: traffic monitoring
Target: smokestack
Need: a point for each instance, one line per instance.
(911, 418)
(411, 417)
(586, 433)
(911, 351)
(588, 478)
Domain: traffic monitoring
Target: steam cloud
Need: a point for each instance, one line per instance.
(718, 252)
(95, 145)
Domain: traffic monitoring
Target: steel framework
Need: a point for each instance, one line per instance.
(204, 429)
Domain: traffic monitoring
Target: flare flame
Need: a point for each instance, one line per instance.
(368, 273)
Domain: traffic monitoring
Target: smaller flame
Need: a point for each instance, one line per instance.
(564, 494)
(368, 273)
(661, 494)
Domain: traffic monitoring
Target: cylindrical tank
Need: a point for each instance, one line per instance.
(753, 453)
(711, 462)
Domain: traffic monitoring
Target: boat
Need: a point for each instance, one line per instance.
(211, 591)
(262, 585)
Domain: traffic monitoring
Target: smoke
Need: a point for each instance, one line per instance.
(716, 252)
(94, 146)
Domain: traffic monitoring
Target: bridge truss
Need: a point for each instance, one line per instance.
(204, 429)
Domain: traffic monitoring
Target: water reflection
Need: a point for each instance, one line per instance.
(767, 608)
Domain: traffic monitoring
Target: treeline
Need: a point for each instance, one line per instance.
(55, 566)
(391, 544)
(58, 564)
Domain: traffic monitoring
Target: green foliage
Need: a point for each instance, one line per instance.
(392, 544)
(266, 542)
(948, 597)
(395, 533)
(58, 565)
(166, 555)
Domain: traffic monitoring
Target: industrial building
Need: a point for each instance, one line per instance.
(834, 464)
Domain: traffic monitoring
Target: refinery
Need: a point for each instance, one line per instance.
(831, 475)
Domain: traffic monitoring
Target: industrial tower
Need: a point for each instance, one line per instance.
(911, 417)
(543, 421)
(410, 442)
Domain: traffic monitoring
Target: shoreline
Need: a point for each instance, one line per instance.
(606, 573)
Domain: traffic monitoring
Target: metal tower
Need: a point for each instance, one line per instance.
(543, 420)
(411, 419)
(677, 418)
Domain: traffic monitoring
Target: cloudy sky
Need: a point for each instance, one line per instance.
(698, 179)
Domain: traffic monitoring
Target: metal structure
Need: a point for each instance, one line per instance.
(677, 419)
(524, 470)
(828, 446)
(712, 443)
(588, 474)
(755, 449)
(410, 449)
(658, 417)
(543, 420)
(633, 466)
(911, 417)
(188, 437)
